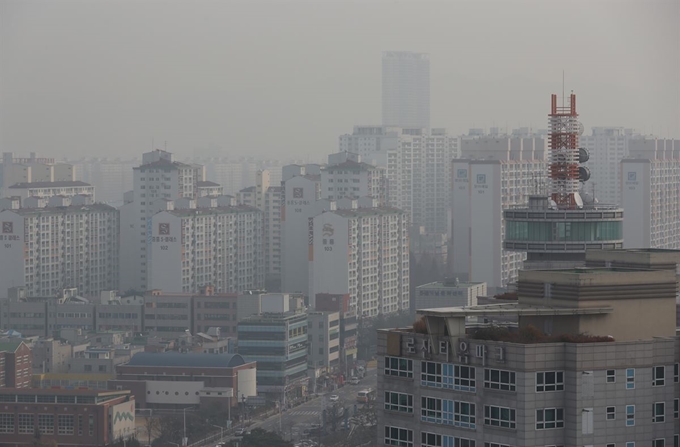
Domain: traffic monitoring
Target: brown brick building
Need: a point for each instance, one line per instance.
(69, 417)
(16, 365)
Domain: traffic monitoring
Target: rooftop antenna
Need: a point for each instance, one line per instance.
(563, 97)
(152, 143)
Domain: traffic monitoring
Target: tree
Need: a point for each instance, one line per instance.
(130, 442)
(38, 440)
(152, 426)
(262, 438)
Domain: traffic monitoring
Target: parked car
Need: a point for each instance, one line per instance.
(354, 380)
(334, 398)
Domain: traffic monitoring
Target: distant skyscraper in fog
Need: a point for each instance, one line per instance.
(405, 89)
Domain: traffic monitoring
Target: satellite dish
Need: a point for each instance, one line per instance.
(583, 155)
(581, 128)
(553, 204)
(583, 173)
(578, 200)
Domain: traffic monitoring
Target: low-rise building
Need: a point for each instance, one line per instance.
(449, 293)
(348, 327)
(324, 341)
(16, 363)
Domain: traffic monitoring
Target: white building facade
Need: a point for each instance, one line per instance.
(650, 194)
(218, 246)
(361, 250)
(347, 176)
(494, 174)
(405, 89)
(50, 249)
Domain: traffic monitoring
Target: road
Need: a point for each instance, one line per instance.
(293, 422)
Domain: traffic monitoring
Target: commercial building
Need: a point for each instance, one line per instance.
(448, 293)
(159, 179)
(324, 341)
(214, 244)
(495, 173)
(16, 367)
(361, 250)
(405, 89)
(278, 342)
(346, 176)
(650, 194)
(56, 247)
(348, 326)
(170, 380)
(418, 169)
(69, 417)
(447, 385)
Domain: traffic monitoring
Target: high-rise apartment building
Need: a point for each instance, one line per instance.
(31, 170)
(347, 176)
(405, 89)
(650, 194)
(110, 177)
(209, 245)
(45, 190)
(442, 384)
(607, 147)
(267, 198)
(60, 246)
(418, 169)
(494, 173)
(360, 249)
(158, 179)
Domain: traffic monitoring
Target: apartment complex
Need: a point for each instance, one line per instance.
(346, 176)
(607, 146)
(267, 199)
(157, 181)
(277, 341)
(69, 417)
(494, 173)
(209, 245)
(66, 188)
(418, 169)
(32, 169)
(55, 247)
(650, 194)
(405, 89)
(16, 365)
(360, 249)
(447, 385)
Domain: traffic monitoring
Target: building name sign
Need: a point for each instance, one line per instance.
(296, 347)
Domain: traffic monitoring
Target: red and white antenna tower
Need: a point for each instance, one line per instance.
(564, 154)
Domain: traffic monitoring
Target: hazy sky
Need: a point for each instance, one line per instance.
(286, 78)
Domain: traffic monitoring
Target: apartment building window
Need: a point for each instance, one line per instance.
(398, 402)
(611, 376)
(611, 413)
(611, 445)
(6, 423)
(398, 436)
(676, 441)
(430, 440)
(549, 381)
(26, 424)
(398, 367)
(46, 424)
(431, 410)
(464, 378)
(463, 414)
(661, 442)
(548, 418)
(659, 412)
(658, 375)
(499, 416)
(676, 402)
(431, 374)
(630, 415)
(676, 373)
(495, 444)
(630, 444)
(630, 379)
(497, 379)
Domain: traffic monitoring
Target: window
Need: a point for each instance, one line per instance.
(658, 375)
(611, 376)
(6, 423)
(400, 437)
(454, 441)
(431, 410)
(398, 367)
(659, 412)
(430, 440)
(611, 413)
(398, 402)
(499, 416)
(611, 445)
(46, 424)
(661, 442)
(446, 375)
(630, 415)
(630, 444)
(66, 423)
(497, 379)
(431, 374)
(675, 408)
(549, 381)
(676, 375)
(549, 418)
(495, 444)
(464, 414)
(630, 378)
(676, 441)
(464, 378)
(26, 424)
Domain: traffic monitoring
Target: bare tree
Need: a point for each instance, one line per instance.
(152, 425)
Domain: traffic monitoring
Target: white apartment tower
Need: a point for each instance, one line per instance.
(158, 179)
(59, 246)
(267, 199)
(494, 173)
(405, 89)
(32, 169)
(650, 194)
(360, 249)
(347, 176)
(607, 147)
(209, 245)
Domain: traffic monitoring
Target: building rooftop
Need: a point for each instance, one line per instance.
(512, 309)
(67, 209)
(357, 212)
(48, 184)
(351, 165)
(207, 183)
(10, 346)
(188, 212)
(448, 285)
(189, 360)
(163, 164)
